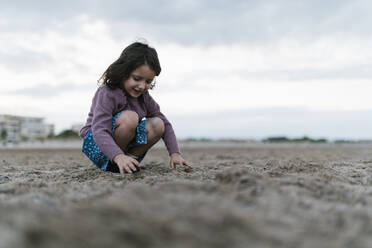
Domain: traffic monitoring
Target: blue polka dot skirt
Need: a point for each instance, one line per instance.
(91, 150)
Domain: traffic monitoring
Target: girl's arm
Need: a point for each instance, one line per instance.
(169, 136)
(102, 122)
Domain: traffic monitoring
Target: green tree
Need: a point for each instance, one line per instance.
(68, 134)
(4, 134)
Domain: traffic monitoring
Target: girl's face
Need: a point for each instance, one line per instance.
(139, 81)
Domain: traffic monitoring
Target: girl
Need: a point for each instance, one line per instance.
(124, 121)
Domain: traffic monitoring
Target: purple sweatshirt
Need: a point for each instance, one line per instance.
(107, 103)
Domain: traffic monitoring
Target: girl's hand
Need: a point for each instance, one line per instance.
(176, 158)
(126, 163)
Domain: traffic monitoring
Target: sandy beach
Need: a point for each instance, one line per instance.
(237, 195)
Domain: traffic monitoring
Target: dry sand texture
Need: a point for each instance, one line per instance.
(241, 196)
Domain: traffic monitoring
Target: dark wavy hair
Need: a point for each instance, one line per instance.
(132, 57)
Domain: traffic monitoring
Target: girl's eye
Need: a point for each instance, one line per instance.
(149, 81)
(136, 78)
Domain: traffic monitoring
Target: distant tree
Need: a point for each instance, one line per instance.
(68, 134)
(51, 136)
(202, 139)
(277, 139)
(4, 134)
(304, 139)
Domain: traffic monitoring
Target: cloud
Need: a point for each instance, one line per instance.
(45, 90)
(304, 75)
(200, 22)
(21, 60)
(29, 59)
(220, 57)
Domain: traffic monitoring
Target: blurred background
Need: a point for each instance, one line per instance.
(230, 69)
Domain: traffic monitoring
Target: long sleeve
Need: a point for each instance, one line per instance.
(169, 137)
(101, 124)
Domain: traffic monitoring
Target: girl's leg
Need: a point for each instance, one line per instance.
(125, 128)
(155, 130)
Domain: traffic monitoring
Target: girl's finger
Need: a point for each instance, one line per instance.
(132, 167)
(121, 171)
(171, 165)
(127, 169)
(187, 164)
(134, 161)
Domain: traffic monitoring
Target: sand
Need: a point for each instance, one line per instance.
(241, 195)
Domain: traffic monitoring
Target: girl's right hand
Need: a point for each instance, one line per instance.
(126, 163)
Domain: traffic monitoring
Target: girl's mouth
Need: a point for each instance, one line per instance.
(137, 91)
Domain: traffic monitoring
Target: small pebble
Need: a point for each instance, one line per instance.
(4, 178)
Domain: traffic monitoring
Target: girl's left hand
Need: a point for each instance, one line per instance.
(176, 158)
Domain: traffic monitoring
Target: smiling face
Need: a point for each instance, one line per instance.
(139, 81)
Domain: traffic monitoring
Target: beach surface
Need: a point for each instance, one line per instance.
(237, 195)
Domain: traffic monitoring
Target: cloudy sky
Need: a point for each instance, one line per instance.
(240, 69)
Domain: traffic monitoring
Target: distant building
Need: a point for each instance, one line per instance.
(32, 128)
(13, 128)
(50, 129)
(10, 128)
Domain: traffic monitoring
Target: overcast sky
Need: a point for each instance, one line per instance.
(241, 69)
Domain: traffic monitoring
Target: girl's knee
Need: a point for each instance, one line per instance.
(127, 119)
(155, 126)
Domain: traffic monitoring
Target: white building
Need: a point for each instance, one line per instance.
(16, 128)
(9, 129)
(33, 128)
(50, 129)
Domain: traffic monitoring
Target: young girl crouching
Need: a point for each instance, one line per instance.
(124, 121)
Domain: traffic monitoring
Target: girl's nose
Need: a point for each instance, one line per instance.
(142, 85)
